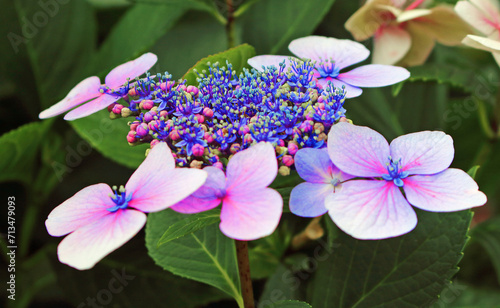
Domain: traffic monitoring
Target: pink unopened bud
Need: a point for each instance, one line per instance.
(244, 129)
(196, 164)
(142, 130)
(149, 116)
(200, 118)
(292, 148)
(248, 138)
(164, 114)
(208, 137)
(154, 142)
(208, 112)
(134, 125)
(235, 147)
(174, 135)
(182, 87)
(198, 150)
(147, 104)
(280, 143)
(218, 165)
(131, 137)
(154, 125)
(193, 90)
(287, 160)
(306, 126)
(343, 119)
(117, 109)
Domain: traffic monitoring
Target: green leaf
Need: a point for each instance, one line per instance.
(144, 285)
(290, 304)
(205, 255)
(406, 271)
(282, 284)
(60, 39)
(190, 224)
(472, 171)
(237, 56)
(488, 235)
(19, 151)
(468, 79)
(466, 296)
(271, 25)
(194, 28)
(109, 138)
(136, 32)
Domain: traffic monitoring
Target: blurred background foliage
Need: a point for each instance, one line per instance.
(45, 162)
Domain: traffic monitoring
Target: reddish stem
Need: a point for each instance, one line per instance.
(244, 270)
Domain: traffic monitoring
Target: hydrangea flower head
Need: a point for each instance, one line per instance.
(330, 56)
(250, 210)
(374, 207)
(405, 31)
(101, 96)
(484, 16)
(322, 179)
(99, 219)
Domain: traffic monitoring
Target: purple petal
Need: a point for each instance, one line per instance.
(371, 210)
(86, 246)
(308, 199)
(253, 168)
(268, 60)
(91, 107)
(351, 91)
(358, 150)
(320, 48)
(314, 165)
(135, 68)
(448, 191)
(423, 152)
(82, 92)
(85, 207)
(374, 75)
(207, 196)
(250, 214)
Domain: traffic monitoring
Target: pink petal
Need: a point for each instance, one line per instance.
(91, 107)
(481, 14)
(351, 91)
(207, 196)
(255, 167)
(164, 188)
(374, 75)
(423, 152)
(85, 207)
(371, 210)
(308, 199)
(82, 92)
(319, 48)
(390, 45)
(135, 68)
(250, 214)
(448, 191)
(358, 150)
(268, 60)
(159, 158)
(86, 246)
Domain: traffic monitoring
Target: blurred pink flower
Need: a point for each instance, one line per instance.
(99, 220)
(404, 33)
(484, 16)
(101, 96)
(250, 210)
(375, 207)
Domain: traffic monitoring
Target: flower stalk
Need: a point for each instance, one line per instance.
(244, 271)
